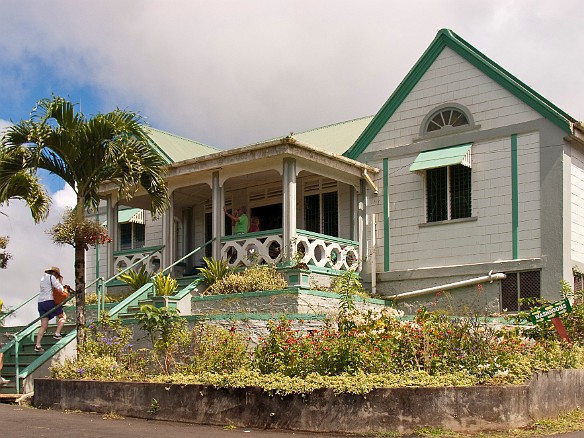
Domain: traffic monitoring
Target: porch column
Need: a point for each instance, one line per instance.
(288, 207)
(168, 234)
(218, 204)
(111, 213)
(361, 225)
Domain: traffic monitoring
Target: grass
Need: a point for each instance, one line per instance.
(572, 421)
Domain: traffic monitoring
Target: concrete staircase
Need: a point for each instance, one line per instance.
(27, 358)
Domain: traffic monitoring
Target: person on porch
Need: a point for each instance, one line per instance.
(239, 220)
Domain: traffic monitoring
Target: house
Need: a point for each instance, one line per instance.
(464, 189)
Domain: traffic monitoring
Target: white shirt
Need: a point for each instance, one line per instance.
(48, 282)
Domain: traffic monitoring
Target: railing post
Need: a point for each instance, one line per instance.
(16, 366)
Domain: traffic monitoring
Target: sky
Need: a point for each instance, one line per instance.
(229, 73)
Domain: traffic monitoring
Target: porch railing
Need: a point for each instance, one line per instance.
(311, 248)
(128, 257)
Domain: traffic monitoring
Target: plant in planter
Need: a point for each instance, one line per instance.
(214, 270)
(136, 279)
(164, 285)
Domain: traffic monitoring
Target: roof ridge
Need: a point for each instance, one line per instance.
(333, 124)
(183, 138)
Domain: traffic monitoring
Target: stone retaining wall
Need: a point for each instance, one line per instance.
(393, 410)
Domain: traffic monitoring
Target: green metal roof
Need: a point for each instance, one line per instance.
(447, 38)
(440, 157)
(334, 138)
(174, 148)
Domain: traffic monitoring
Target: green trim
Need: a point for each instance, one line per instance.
(447, 38)
(433, 159)
(138, 250)
(514, 197)
(386, 247)
(256, 316)
(295, 291)
(160, 151)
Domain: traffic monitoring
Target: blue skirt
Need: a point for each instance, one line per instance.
(45, 306)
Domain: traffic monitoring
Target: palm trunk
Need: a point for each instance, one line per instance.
(80, 247)
(80, 292)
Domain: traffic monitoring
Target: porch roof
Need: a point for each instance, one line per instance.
(174, 148)
(272, 149)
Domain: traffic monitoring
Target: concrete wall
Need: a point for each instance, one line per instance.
(392, 410)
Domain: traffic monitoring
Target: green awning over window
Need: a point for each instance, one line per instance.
(449, 156)
(135, 215)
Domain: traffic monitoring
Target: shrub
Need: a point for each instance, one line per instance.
(256, 278)
(217, 350)
(214, 270)
(167, 332)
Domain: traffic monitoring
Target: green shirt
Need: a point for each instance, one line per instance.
(241, 225)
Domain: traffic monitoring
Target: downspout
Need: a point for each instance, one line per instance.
(371, 183)
(416, 293)
(373, 257)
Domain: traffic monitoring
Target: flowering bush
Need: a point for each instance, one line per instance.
(432, 343)
(83, 231)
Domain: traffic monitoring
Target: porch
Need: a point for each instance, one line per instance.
(311, 206)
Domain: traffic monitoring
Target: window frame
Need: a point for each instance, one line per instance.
(447, 129)
(134, 243)
(449, 197)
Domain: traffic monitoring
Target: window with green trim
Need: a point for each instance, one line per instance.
(448, 193)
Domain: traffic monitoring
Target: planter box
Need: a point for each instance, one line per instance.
(393, 410)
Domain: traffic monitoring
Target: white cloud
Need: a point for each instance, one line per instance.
(232, 72)
(33, 251)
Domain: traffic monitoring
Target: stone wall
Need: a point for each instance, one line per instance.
(382, 411)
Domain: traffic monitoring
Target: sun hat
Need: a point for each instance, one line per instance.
(53, 270)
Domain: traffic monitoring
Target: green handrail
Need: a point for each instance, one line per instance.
(102, 284)
(5, 315)
(188, 255)
(21, 334)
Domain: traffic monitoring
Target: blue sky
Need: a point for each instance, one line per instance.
(229, 73)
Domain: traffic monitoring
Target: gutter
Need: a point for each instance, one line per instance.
(416, 293)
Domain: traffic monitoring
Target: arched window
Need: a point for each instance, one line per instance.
(446, 118)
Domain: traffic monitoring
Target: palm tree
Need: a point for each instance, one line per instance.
(86, 153)
(26, 186)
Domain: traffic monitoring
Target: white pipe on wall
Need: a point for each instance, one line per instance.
(486, 278)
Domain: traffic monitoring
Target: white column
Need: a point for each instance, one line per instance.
(218, 204)
(288, 207)
(361, 222)
(168, 234)
(112, 231)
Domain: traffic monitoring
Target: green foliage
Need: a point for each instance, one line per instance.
(214, 270)
(167, 332)
(136, 279)
(4, 255)
(217, 350)
(256, 278)
(164, 285)
(545, 330)
(106, 354)
(433, 343)
(154, 407)
(107, 337)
